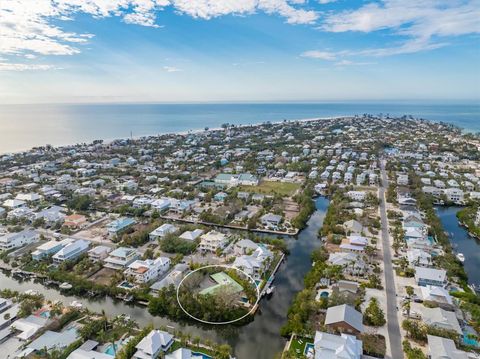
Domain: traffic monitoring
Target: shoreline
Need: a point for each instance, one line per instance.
(200, 130)
(178, 133)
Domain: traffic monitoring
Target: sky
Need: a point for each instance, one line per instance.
(84, 51)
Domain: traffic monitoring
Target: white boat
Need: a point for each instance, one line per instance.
(461, 257)
(65, 285)
(270, 290)
(76, 304)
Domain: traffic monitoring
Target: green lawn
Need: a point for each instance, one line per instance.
(299, 348)
(271, 187)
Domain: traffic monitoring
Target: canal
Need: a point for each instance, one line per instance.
(259, 339)
(462, 242)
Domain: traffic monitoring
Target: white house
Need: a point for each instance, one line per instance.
(50, 248)
(155, 343)
(146, 270)
(212, 241)
(16, 240)
(357, 195)
(162, 231)
(454, 194)
(99, 253)
(337, 346)
(120, 258)
(192, 235)
(71, 251)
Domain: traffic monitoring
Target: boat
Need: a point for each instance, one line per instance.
(461, 257)
(270, 290)
(76, 304)
(65, 285)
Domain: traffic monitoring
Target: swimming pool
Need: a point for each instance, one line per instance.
(202, 355)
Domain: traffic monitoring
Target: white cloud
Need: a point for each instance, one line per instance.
(422, 22)
(321, 55)
(32, 28)
(6, 66)
(171, 69)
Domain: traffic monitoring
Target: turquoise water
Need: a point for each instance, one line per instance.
(308, 346)
(25, 126)
(110, 350)
(202, 355)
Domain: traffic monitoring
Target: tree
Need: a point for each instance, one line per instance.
(374, 315)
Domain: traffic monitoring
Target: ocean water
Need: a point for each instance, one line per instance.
(25, 126)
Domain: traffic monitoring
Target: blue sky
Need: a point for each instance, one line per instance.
(238, 50)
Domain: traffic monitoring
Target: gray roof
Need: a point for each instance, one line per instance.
(344, 313)
(443, 348)
(52, 340)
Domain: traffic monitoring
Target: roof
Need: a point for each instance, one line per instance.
(122, 252)
(183, 353)
(430, 273)
(223, 280)
(344, 313)
(154, 340)
(330, 346)
(52, 340)
(443, 348)
(441, 318)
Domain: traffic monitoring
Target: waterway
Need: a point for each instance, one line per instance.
(259, 339)
(462, 242)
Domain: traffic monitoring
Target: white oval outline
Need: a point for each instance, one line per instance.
(219, 323)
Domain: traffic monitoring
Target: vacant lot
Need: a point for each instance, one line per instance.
(104, 276)
(272, 187)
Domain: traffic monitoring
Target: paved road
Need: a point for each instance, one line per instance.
(392, 319)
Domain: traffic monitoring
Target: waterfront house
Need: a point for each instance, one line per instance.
(443, 348)
(120, 258)
(351, 262)
(345, 319)
(437, 295)
(119, 226)
(441, 318)
(332, 346)
(430, 276)
(357, 195)
(354, 244)
(256, 263)
(419, 257)
(19, 239)
(50, 248)
(183, 353)
(87, 351)
(455, 195)
(71, 251)
(143, 271)
(244, 246)
(191, 235)
(26, 328)
(353, 227)
(162, 231)
(174, 277)
(271, 220)
(50, 341)
(151, 346)
(211, 241)
(99, 253)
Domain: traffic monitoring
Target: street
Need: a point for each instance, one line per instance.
(392, 319)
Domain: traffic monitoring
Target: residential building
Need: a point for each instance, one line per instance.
(437, 295)
(271, 220)
(120, 258)
(162, 231)
(50, 248)
(120, 225)
(441, 318)
(357, 195)
(19, 239)
(243, 179)
(330, 346)
(155, 343)
(345, 319)
(99, 253)
(192, 235)
(443, 348)
(430, 276)
(212, 241)
(144, 271)
(455, 195)
(71, 251)
(75, 221)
